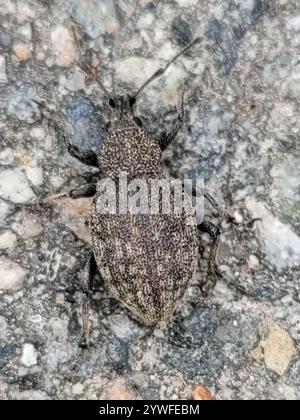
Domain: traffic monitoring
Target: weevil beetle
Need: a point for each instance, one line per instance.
(146, 261)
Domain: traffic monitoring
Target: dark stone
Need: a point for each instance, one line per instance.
(150, 6)
(258, 10)
(6, 352)
(245, 336)
(181, 31)
(29, 381)
(5, 39)
(223, 46)
(194, 348)
(287, 142)
(117, 354)
(239, 31)
(268, 292)
(88, 125)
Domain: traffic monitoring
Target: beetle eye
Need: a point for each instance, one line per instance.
(138, 121)
(112, 103)
(132, 101)
(108, 125)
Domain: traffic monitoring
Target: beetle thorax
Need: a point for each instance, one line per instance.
(130, 149)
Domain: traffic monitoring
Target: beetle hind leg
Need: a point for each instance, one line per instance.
(226, 215)
(88, 190)
(90, 270)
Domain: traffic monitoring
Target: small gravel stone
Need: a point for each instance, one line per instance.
(3, 328)
(29, 227)
(63, 46)
(35, 175)
(73, 82)
(117, 390)
(12, 275)
(6, 156)
(21, 105)
(258, 354)
(136, 69)
(29, 355)
(4, 210)
(294, 22)
(5, 39)
(253, 262)
(279, 350)
(186, 3)
(96, 17)
(7, 239)
(37, 133)
(77, 389)
(181, 31)
(3, 75)
(281, 243)
(200, 393)
(22, 52)
(14, 186)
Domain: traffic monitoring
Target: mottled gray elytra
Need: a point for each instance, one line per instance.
(146, 261)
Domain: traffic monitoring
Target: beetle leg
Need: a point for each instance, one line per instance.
(224, 214)
(85, 156)
(169, 135)
(88, 190)
(215, 233)
(85, 191)
(86, 286)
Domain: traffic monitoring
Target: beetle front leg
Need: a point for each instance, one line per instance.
(85, 156)
(215, 233)
(167, 137)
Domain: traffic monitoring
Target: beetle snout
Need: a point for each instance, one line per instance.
(123, 103)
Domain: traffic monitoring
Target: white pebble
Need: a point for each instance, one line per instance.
(37, 133)
(145, 20)
(6, 156)
(35, 175)
(246, 4)
(136, 69)
(4, 210)
(12, 275)
(36, 319)
(3, 76)
(253, 262)
(63, 46)
(238, 217)
(282, 244)
(14, 186)
(295, 23)
(29, 355)
(3, 328)
(7, 239)
(77, 389)
(29, 227)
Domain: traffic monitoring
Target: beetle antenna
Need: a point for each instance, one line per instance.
(162, 70)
